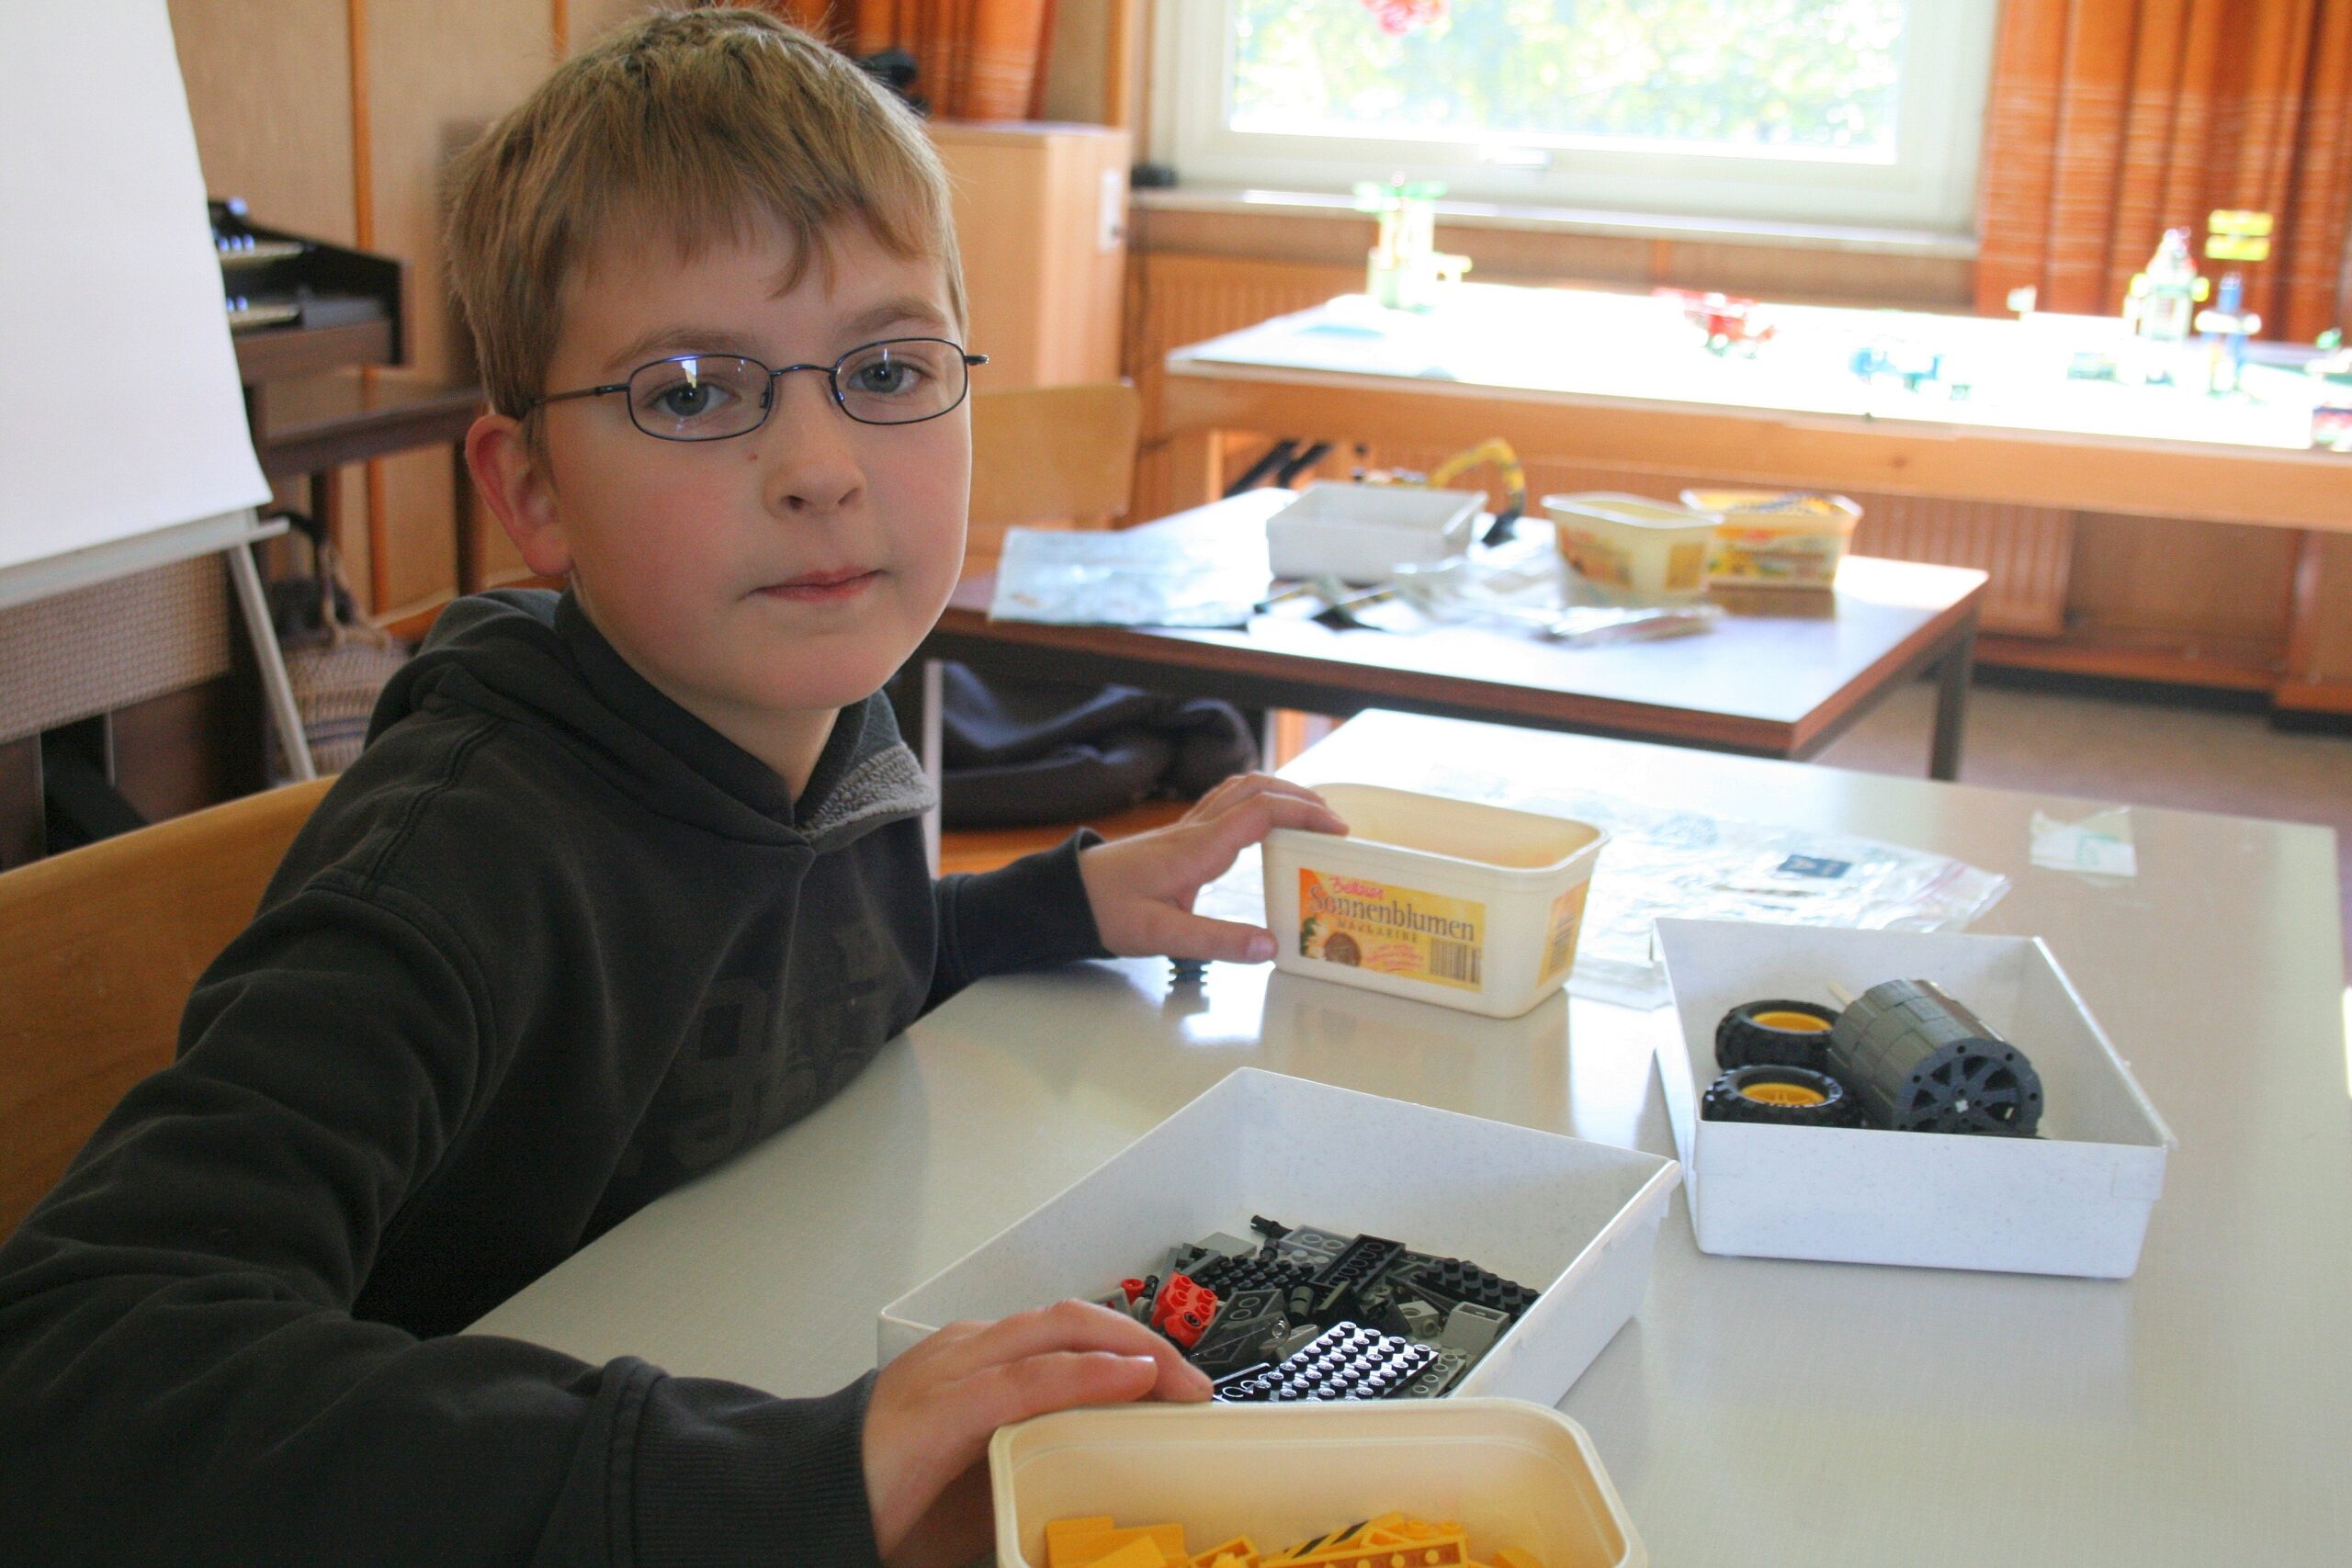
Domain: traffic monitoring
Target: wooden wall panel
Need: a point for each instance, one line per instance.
(2321, 651)
(270, 97)
(2218, 590)
(591, 19)
(439, 72)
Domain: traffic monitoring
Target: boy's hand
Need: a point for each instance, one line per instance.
(933, 1411)
(1142, 888)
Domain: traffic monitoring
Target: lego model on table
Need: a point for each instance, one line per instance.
(1904, 1056)
(1306, 1314)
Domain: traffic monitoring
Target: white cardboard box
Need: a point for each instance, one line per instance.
(1364, 533)
(2075, 1201)
(1513, 1472)
(1577, 1220)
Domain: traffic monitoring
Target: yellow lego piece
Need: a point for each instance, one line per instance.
(1095, 1551)
(1086, 1542)
(1141, 1552)
(1513, 1557)
(1062, 1535)
(1238, 1552)
(1432, 1551)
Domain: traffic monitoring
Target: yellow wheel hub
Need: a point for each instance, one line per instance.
(1783, 1094)
(1797, 1022)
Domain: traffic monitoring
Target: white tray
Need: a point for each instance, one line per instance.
(2073, 1200)
(1577, 1220)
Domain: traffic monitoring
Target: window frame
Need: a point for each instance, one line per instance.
(1931, 184)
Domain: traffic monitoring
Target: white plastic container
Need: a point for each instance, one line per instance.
(1364, 533)
(1472, 906)
(1632, 548)
(1769, 538)
(1578, 1221)
(1514, 1474)
(2073, 1200)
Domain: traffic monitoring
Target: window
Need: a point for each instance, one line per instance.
(1862, 112)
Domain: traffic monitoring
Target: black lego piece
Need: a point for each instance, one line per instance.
(1452, 1280)
(1228, 1274)
(1347, 1360)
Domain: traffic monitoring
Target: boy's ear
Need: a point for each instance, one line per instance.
(516, 483)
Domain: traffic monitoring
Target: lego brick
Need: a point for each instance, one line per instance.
(1235, 1553)
(1458, 1281)
(1183, 1310)
(1095, 1548)
(1228, 1274)
(1421, 1321)
(1310, 1247)
(1450, 1364)
(1472, 1329)
(1062, 1536)
(1360, 1262)
(1245, 1325)
(1142, 1553)
(1347, 1360)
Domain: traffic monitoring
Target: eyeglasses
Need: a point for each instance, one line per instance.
(710, 397)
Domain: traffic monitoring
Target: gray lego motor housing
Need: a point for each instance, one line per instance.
(1919, 1061)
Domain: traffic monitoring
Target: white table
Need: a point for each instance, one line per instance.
(1754, 1412)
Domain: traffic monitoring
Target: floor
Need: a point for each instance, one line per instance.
(2145, 751)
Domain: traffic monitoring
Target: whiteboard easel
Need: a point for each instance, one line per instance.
(123, 439)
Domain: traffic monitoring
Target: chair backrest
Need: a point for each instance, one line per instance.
(100, 948)
(1050, 455)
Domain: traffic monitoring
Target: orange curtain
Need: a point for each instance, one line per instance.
(2112, 121)
(979, 59)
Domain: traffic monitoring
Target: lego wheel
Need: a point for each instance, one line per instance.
(1787, 1096)
(1775, 1034)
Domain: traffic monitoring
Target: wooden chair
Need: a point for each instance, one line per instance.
(99, 947)
(1048, 456)
(1051, 457)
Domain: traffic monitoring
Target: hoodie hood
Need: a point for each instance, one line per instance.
(532, 656)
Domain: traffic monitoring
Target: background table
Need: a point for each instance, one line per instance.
(1619, 379)
(1782, 684)
(1755, 1413)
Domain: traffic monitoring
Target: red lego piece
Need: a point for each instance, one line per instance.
(1183, 1310)
(1133, 1287)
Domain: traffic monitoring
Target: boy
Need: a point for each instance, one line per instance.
(624, 882)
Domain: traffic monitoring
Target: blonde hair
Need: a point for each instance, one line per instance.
(705, 122)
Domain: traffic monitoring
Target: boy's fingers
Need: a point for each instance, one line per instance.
(1248, 823)
(1071, 1325)
(1181, 935)
(1242, 787)
(1036, 1385)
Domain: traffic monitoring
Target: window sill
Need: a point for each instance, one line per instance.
(1918, 242)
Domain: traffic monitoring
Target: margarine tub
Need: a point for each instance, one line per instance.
(1632, 548)
(1770, 539)
(1450, 901)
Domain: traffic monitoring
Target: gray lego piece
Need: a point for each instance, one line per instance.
(1228, 1245)
(1421, 1320)
(1311, 1246)
(1473, 1329)
(1450, 1364)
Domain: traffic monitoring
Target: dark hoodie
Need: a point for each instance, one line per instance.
(551, 947)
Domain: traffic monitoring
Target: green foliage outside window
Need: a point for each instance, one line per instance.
(1814, 77)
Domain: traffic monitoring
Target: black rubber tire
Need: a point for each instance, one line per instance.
(1728, 1099)
(1742, 1042)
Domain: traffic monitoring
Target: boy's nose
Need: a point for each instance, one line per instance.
(807, 446)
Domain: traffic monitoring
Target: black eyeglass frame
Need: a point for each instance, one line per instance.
(767, 396)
